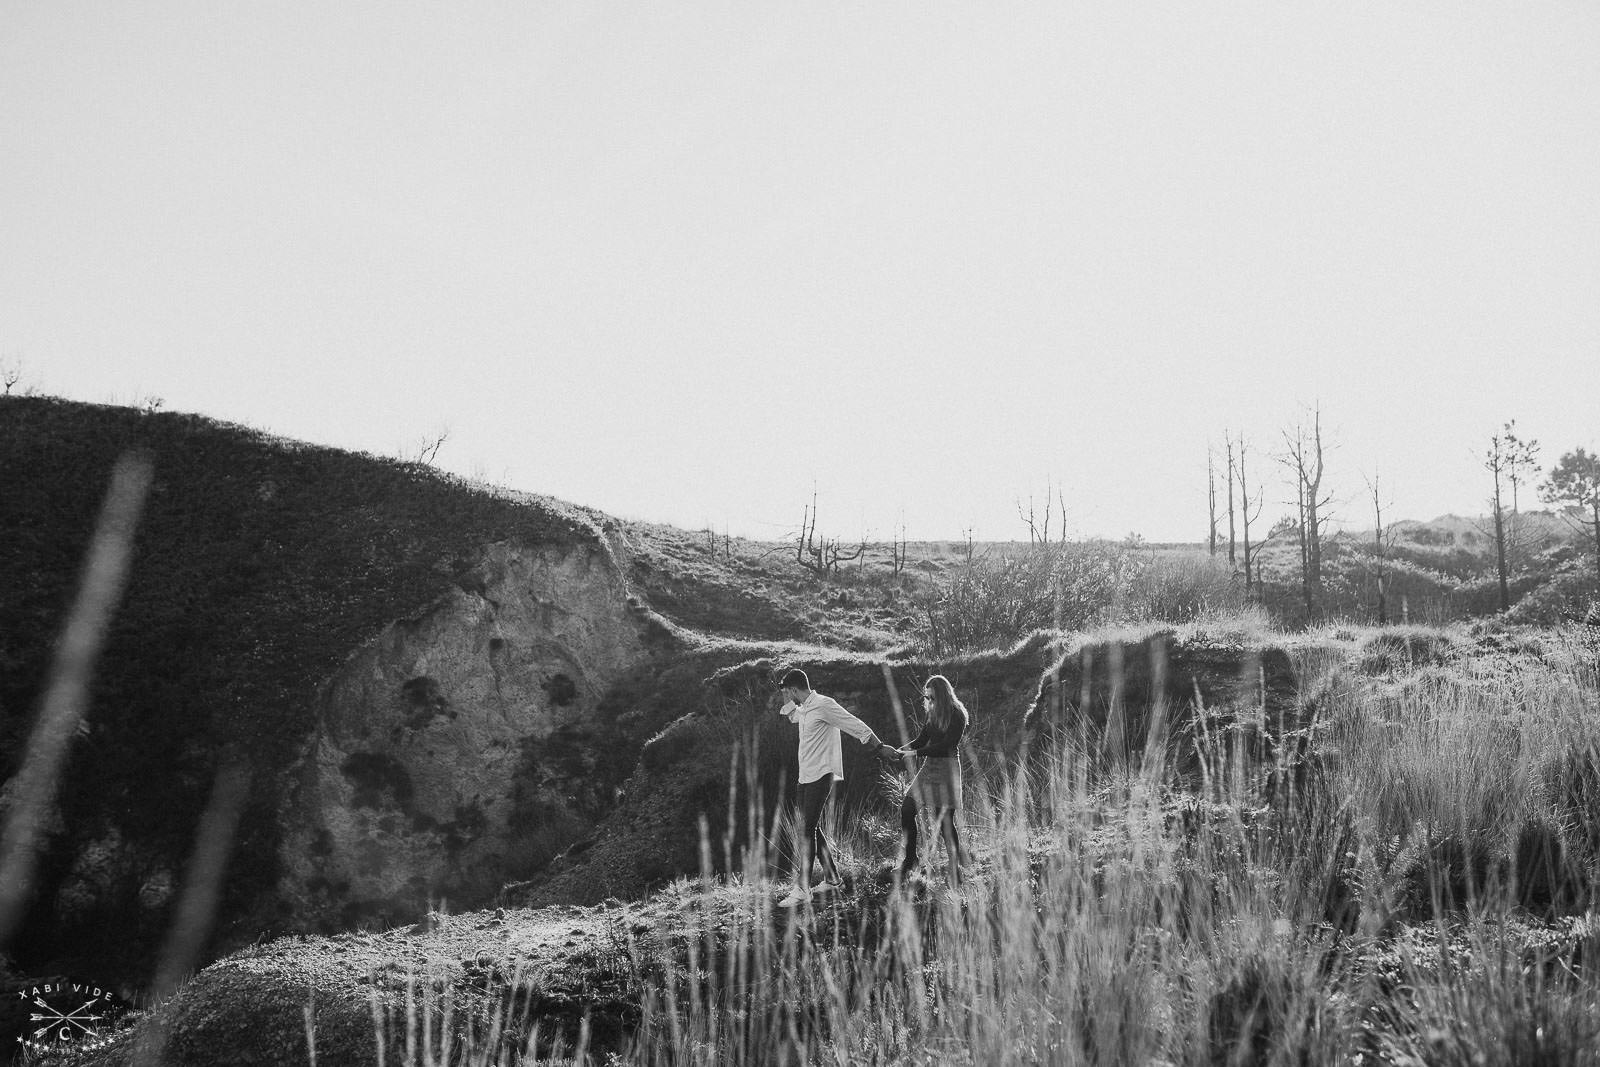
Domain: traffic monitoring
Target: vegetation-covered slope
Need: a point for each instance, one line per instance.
(1436, 572)
(259, 565)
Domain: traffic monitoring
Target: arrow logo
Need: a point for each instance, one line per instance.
(79, 1016)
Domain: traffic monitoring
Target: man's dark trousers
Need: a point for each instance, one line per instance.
(813, 800)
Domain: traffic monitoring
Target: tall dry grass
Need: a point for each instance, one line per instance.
(1366, 895)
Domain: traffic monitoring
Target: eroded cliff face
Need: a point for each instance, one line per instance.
(457, 751)
(1095, 693)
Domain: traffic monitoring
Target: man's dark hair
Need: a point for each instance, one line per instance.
(795, 679)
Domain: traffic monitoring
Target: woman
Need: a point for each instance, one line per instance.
(937, 785)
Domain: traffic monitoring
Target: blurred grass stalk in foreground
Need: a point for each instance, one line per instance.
(66, 696)
(62, 715)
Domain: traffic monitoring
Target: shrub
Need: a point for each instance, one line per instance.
(1184, 588)
(996, 600)
(1571, 597)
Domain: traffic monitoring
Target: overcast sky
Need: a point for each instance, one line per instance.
(685, 262)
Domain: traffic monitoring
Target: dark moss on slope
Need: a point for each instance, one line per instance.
(260, 563)
(1102, 697)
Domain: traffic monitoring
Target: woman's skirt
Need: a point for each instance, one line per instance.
(938, 783)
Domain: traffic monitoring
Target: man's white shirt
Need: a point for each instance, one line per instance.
(820, 719)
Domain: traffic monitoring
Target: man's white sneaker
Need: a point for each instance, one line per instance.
(796, 897)
(822, 888)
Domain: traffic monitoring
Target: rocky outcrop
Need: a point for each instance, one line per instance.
(457, 751)
(258, 626)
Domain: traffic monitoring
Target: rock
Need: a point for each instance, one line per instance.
(454, 753)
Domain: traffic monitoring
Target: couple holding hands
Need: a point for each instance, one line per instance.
(937, 784)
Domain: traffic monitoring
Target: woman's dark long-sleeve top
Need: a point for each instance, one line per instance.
(933, 742)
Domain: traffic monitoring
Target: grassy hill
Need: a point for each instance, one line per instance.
(259, 564)
(1266, 876)
(1437, 571)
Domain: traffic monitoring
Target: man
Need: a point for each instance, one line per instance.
(820, 720)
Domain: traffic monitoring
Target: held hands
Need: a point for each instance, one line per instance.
(888, 753)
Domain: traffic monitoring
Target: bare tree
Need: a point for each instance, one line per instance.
(1030, 520)
(897, 547)
(807, 537)
(426, 450)
(1380, 549)
(1228, 439)
(1039, 531)
(836, 554)
(1304, 460)
(821, 556)
(10, 373)
(1211, 499)
(1251, 578)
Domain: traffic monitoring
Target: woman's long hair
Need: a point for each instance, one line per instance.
(945, 706)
